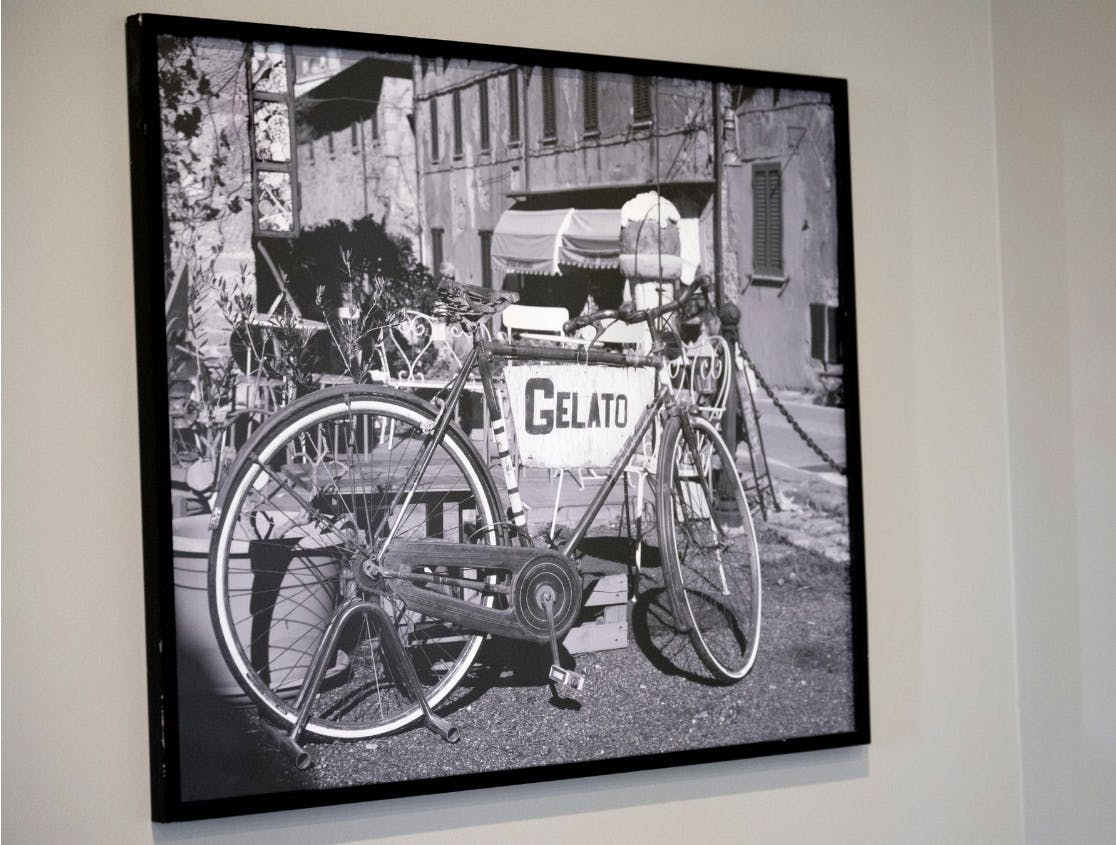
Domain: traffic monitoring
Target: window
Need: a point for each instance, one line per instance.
(550, 115)
(435, 153)
(374, 124)
(589, 96)
(274, 164)
(457, 146)
(329, 144)
(513, 107)
(482, 115)
(354, 137)
(486, 258)
(825, 339)
(436, 253)
(767, 220)
(641, 100)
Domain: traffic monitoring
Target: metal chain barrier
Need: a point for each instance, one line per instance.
(790, 419)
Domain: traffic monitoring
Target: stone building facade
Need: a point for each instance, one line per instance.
(781, 249)
(438, 151)
(356, 148)
(498, 137)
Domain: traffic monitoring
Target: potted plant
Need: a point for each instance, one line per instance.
(202, 379)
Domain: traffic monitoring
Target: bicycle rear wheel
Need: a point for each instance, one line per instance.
(307, 501)
(708, 547)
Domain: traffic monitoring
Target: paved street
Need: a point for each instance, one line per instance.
(787, 453)
(813, 500)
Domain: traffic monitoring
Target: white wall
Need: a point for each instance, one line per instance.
(1055, 78)
(945, 760)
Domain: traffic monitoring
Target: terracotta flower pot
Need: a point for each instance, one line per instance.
(286, 642)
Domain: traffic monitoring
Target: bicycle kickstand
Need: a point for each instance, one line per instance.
(288, 741)
(389, 638)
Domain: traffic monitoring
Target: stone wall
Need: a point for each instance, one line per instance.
(366, 169)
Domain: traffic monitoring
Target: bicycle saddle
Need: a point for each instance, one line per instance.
(456, 302)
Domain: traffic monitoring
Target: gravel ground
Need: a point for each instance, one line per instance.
(650, 697)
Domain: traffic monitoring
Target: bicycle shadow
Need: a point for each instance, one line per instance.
(511, 664)
(504, 663)
(652, 627)
(666, 647)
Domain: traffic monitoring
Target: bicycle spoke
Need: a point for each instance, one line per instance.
(710, 547)
(324, 492)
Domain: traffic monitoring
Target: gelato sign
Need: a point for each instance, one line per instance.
(571, 415)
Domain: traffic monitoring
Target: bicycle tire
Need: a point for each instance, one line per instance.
(714, 580)
(293, 508)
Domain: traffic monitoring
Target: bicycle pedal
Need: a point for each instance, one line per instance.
(567, 678)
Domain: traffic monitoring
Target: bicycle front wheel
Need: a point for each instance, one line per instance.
(708, 547)
(310, 498)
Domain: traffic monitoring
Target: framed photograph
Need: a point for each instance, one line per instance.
(498, 414)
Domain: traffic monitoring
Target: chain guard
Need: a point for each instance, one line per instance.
(521, 576)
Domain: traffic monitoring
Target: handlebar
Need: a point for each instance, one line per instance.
(571, 326)
(630, 314)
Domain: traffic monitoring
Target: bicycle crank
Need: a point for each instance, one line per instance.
(559, 676)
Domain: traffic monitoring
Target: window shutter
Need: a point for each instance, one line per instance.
(775, 221)
(513, 107)
(550, 117)
(275, 196)
(833, 348)
(817, 331)
(434, 151)
(457, 145)
(641, 99)
(589, 88)
(759, 218)
(485, 139)
(767, 220)
(486, 258)
(436, 248)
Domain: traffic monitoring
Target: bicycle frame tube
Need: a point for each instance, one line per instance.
(482, 358)
(517, 512)
(441, 423)
(646, 419)
(573, 355)
(580, 355)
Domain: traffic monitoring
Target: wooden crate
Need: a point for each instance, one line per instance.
(603, 623)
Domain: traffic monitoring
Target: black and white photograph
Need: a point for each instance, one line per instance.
(498, 414)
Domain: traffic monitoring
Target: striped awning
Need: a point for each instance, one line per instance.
(537, 242)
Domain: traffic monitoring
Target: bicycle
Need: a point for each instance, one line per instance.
(347, 606)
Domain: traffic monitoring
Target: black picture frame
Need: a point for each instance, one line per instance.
(826, 338)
